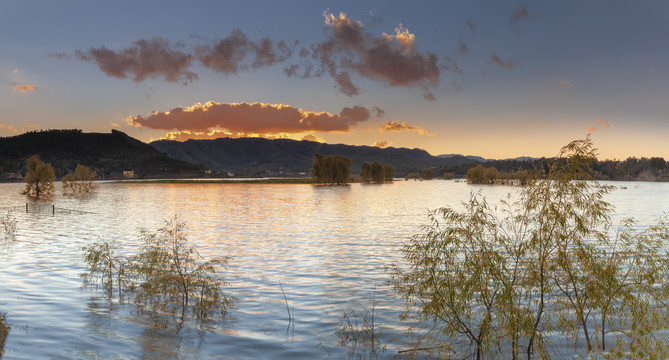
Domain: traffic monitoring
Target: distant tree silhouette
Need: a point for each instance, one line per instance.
(39, 178)
(376, 172)
(331, 170)
(427, 173)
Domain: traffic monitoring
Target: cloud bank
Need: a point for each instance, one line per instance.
(249, 119)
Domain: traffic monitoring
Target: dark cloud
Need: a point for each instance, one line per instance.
(250, 118)
(236, 52)
(519, 13)
(501, 63)
(145, 58)
(392, 59)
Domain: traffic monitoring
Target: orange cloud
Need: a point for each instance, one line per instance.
(10, 128)
(591, 128)
(564, 83)
(397, 126)
(248, 119)
(382, 144)
(24, 88)
(392, 59)
(603, 122)
(311, 137)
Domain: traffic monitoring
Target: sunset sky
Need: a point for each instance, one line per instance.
(497, 79)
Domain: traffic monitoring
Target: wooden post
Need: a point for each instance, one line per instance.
(26, 208)
(53, 209)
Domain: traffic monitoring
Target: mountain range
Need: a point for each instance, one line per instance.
(265, 157)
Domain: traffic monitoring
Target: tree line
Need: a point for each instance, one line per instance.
(336, 170)
(631, 169)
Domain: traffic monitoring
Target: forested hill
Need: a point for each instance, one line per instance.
(258, 156)
(108, 154)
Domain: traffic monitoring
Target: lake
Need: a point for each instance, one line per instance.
(327, 246)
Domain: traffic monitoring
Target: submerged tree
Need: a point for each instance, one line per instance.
(506, 277)
(376, 172)
(331, 170)
(39, 178)
(167, 276)
(79, 183)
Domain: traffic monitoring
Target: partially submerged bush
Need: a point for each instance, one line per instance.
(4, 331)
(79, 183)
(359, 330)
(505, 279)
(9, 224)
(167, 276)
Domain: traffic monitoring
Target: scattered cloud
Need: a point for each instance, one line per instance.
(382, 144)
(471, 25)
(24, 88)
(143, 59)
(249, 119)
(236, 52)
(392, 59)
(519, 13)
(565, 83)
(378, 112)
(397, 126)
(9, 128)
(463, 48)
(603, 122)
(591, 128)
(494, 59)
(312, 137)
(57, 55)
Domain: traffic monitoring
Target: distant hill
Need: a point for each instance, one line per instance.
(108, 154)
(471, 157)
(258, 156)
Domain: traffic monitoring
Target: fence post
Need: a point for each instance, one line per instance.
(26, 208)
(53, 209)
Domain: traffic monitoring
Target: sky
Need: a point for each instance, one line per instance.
(498, 79)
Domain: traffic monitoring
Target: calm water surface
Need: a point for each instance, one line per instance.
(326, 245)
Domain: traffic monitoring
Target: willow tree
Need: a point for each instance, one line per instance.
(39, 178)
(331, 170)
(80, 182)
(551, 262)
